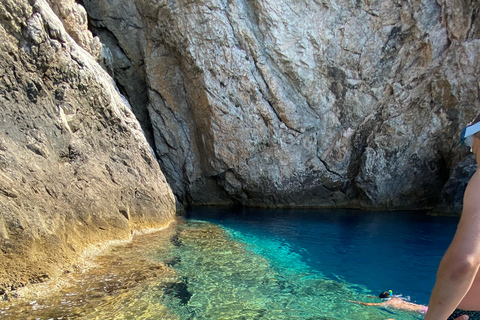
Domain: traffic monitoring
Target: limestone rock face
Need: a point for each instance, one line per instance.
(74, 19)
(75, 168)
(332, 103)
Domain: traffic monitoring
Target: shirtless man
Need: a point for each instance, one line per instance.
(457, 288)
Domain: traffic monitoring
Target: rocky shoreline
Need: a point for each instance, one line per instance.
(75, 168)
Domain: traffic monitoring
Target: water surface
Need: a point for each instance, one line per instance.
(397, 251)
(223, 263)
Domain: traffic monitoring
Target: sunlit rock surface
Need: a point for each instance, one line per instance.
(300, 103)
(75, 168)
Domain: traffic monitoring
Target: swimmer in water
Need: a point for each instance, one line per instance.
(388, 300)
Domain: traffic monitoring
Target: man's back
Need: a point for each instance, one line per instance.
(471, 217)
(458, 280)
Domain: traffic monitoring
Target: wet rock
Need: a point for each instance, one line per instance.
(124, 275)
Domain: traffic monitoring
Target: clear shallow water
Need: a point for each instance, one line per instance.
(255, 264)
(381, 251)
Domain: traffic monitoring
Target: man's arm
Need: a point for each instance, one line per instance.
(460, 263)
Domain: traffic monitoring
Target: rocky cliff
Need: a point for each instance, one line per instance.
(75, 168)
(332, 103)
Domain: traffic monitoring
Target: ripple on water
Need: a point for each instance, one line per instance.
(195, 270)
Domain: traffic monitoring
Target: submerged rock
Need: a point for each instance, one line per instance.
(330, 103)
(75, 168)
(127, 281)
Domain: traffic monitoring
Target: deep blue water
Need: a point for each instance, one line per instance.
(378, 251)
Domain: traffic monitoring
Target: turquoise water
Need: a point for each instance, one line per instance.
(223, 263)
(380, 251)
(258, 278)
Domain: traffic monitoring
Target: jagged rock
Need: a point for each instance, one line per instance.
(123, 43)
(451, 202)
(307, 103)
(75, 168)
(74, 19)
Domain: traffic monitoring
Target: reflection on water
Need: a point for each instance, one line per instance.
(194, 270)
